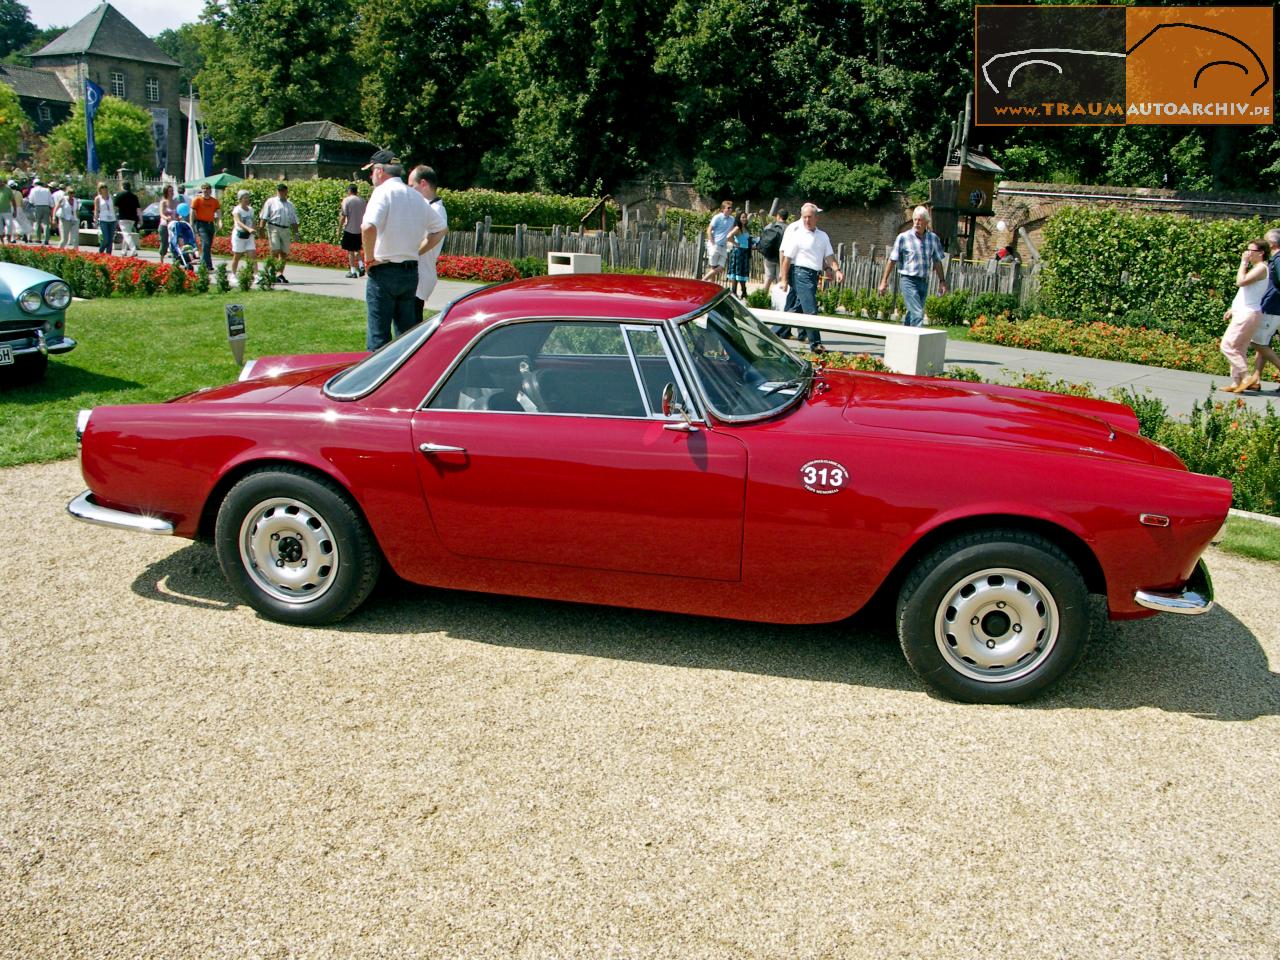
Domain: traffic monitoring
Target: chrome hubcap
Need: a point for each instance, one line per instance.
(289, 550)
(996, 625)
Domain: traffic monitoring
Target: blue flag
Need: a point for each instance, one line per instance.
(92, 97)
(207, 144)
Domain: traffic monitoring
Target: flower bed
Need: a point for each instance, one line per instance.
(480, 269)
(1103, 341)
(93, 275)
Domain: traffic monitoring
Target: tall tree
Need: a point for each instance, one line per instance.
(121, 131)
(11, 121)
(16, 28)
(273, 63)
(186, 45)
(428, 90)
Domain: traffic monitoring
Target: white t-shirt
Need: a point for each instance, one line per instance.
(40, 196)
(807, 248)
(400, 215)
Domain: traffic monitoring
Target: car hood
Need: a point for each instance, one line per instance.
(15, 278)
(988, 413)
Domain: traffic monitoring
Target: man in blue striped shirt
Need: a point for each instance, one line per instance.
(915, 251)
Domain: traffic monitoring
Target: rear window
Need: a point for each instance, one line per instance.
(356, 381)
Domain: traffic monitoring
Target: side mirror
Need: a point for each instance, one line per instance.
(671, 407)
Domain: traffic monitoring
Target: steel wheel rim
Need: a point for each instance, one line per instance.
(289, 550)
(996, 625)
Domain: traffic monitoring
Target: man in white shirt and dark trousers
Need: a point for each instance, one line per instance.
(806, 251)
(915, 251)
(42, 210)
(394, 225)
(280, 219)
(424, 180)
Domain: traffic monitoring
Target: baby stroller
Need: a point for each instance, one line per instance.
(182, 241)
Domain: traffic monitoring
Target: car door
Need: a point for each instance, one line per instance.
(547, 444)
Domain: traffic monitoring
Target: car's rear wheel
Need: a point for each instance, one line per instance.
(993, 617)
(294, 547)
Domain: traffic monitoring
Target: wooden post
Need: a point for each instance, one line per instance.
(644, 250)
(614, 250)
(479, 237)
(555, 238)
(519, 240)
(488, 223)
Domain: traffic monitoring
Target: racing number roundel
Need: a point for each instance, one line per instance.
(823, 476)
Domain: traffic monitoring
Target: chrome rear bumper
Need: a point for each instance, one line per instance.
(1193, 599)
(84, 508)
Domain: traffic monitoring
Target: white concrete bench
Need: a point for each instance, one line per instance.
(573, 263)
(917, 350)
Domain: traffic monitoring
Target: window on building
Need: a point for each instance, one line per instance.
(117, 84)
(44, 114)
(153, 90)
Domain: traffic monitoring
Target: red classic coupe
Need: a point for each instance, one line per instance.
(648, 442)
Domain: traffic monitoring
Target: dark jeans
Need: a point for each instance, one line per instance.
(204, 230)
(163, 233)
(802, 297)
(107, 231)
(389, 296)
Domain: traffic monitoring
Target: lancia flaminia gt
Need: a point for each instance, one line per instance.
(647, 442)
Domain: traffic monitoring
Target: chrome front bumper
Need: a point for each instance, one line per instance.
(1193, 599)
(84, 508)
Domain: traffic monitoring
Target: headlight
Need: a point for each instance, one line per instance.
(57, 295)
(30, 301)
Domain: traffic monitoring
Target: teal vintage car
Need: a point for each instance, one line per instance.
(33, 322)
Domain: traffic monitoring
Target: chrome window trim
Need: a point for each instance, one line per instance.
(428, 327)
(622, 322)
(691, 370)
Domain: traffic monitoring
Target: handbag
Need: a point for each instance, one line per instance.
(243, 234)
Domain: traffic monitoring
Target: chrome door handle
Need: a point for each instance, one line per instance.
(680, 426)
(432, 448)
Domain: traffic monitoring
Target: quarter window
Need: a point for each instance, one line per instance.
(153, 90)
(589, 368)
(117, 84)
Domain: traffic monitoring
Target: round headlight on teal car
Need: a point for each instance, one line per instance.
(57, 295)
(30, 300)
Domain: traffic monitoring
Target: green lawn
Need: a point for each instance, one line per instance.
(141, 350)
(1252, 538)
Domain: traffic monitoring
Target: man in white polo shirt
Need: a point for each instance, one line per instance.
(42, 209)
(395, 221)
(806, 251)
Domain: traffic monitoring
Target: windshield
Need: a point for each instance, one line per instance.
(743, 369)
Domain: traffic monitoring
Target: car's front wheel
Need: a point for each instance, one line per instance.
(993, 617)
(294, 546)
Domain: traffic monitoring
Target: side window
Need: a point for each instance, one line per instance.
(587, 368)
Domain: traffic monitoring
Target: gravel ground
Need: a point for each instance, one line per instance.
(455, 775)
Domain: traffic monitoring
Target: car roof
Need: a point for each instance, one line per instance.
(606, 295)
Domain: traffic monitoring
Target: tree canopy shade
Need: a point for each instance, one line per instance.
(740, 96)
(121, 130)
(186, 45)
(11, 120)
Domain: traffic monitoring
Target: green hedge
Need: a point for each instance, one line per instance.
(1163, 271)
(318, 202)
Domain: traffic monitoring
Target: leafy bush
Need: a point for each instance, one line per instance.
(833, 182)
(530, 266)
(948, 310)
(1101, 340)
(758, 300)
(850, 361)
(92, 275)
(1105, 263)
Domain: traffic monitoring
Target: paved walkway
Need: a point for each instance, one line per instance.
(1179, 389)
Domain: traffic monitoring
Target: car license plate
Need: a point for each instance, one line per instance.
(6, 356)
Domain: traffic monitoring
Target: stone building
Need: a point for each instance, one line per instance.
(41, 95)
(113, 53)
(307, 151)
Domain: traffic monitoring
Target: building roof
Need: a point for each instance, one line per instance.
(37, 84)
(312, 131)
(105, 31)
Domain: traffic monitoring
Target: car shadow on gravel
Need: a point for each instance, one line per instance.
(1210, 667)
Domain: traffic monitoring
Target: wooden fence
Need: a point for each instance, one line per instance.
(664, 249)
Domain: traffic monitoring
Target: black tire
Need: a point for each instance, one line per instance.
(28, 369)
(323, 558)
(993, 617)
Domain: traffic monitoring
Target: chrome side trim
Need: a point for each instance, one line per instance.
(1195, 598)
(84, 508)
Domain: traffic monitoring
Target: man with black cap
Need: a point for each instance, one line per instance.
(395, 221)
